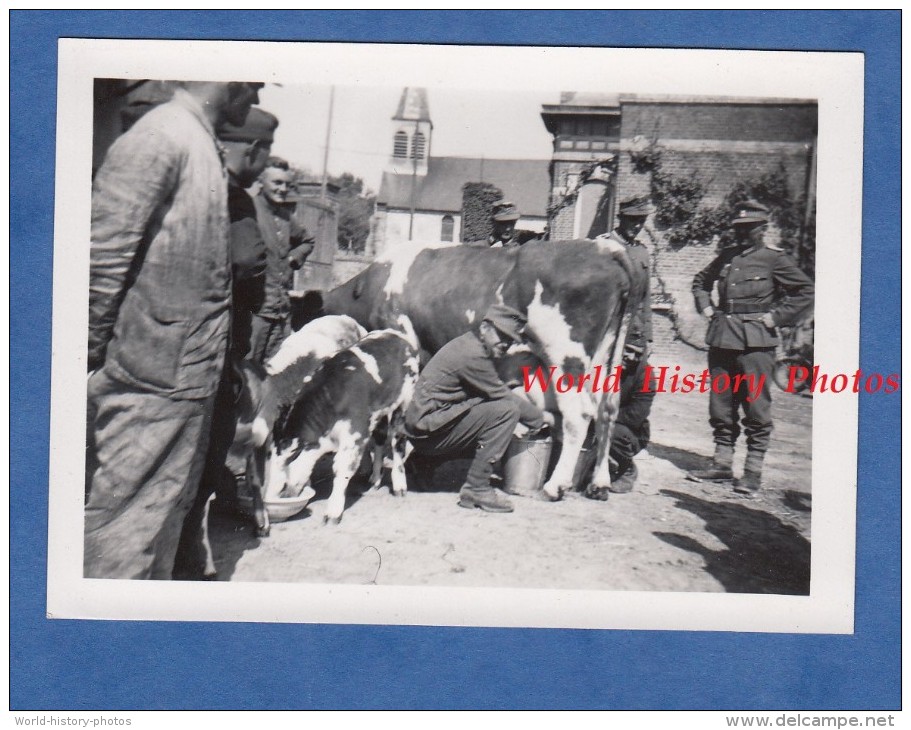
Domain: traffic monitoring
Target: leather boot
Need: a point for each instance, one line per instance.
(487, 499)
(720, 468)
(477, 492)
(751, 481)
(625, 480)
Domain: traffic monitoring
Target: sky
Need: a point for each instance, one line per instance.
(466, 123)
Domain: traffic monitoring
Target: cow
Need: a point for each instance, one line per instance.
(358, 396)
(577, 295)
(264, 397)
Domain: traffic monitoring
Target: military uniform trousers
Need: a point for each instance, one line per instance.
(725, 407)
(632, 430)
(267, 336)
(150, 451)
(486, 429)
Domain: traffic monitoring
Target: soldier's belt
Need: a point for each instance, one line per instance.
(742, 308)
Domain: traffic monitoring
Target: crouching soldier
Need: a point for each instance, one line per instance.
(461, 405)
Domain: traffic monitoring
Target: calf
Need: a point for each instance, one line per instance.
(359, 395)
(267, 396)
(264, 398)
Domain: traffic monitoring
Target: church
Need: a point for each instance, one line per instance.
(420, 196)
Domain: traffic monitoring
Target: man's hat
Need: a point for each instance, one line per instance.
(503, 210)
(750, 212)
(507, 320)
(259, 127)
(636, 208)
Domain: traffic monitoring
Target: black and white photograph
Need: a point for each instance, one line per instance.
(448, 335)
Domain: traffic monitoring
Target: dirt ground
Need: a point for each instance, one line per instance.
(669, 534)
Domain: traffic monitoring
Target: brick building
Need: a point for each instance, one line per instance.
(719, 141)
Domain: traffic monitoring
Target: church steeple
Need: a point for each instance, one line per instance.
(411, 133)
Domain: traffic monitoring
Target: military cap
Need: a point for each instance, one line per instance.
(636, 208)
(749, 212)
(259, 127)
(503, 210)
(507, 320)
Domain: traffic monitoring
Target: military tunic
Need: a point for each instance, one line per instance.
(461, 405)
(640, 326)
(752, 282)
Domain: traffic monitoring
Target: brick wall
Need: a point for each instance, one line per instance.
(672, 280)
(722, 144)
(718, 120)
(719, 171)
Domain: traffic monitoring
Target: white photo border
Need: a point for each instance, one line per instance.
(835, 80)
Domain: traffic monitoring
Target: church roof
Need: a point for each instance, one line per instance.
(413, 105)
(524, 182)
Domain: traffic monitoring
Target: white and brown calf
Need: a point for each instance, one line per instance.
(264, 397)
(357, 398)
(268, 396)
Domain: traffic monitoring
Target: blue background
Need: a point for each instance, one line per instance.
(64, 664)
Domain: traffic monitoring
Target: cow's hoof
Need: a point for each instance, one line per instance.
(327, 520)
(546, 496)
(263, 531)
(400, 493)
(600, 493)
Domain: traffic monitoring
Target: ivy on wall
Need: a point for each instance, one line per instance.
(684, 219)
(477, 203)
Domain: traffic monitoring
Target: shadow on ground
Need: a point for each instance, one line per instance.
(682, 459)
(237, 532)
(762, 554)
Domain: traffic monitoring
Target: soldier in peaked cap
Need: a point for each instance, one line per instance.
(503, 218)
(760, 288)
(247, 149)
(632, 430)
(460, 404)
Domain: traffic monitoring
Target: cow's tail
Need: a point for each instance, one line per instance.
(611, 356)
(403, 324)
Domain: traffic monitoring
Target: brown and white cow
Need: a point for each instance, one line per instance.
(575, 294)
(359, 395)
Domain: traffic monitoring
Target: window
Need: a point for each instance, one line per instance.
(400, 147)
(447, 228)
(417, 147)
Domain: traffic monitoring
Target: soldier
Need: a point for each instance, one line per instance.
(461, 404)
(760, 288)
(287, 247)
(503, 219)
(631, 433)
(247, 148)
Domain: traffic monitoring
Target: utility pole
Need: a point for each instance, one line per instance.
(325, 182)
(414, 178)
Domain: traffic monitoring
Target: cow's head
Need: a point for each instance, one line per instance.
(290, 467)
